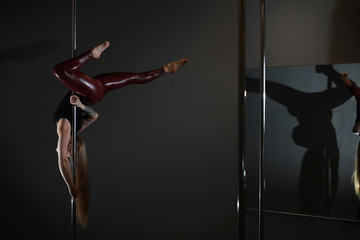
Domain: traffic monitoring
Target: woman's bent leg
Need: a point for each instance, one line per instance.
(68, 73)
(75, 63)
(356, 128)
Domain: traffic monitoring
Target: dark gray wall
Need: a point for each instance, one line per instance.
(304, 32)
(35, 36)
(162, 156)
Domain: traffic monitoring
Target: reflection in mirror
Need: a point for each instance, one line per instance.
(310, 147)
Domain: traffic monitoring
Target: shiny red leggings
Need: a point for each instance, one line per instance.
(94, 89)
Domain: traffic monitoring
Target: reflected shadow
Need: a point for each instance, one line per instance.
(319, 170)
(27, 52)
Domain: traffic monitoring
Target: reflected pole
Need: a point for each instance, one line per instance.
(241, 116)
(262, 133)
(73, 202)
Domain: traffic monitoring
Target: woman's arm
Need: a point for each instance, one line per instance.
(63, 130)
(93, 115)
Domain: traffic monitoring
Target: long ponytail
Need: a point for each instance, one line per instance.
(356, 174)
(82, 181)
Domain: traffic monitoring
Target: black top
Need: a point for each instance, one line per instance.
(64, 110)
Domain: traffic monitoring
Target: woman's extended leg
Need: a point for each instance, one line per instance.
(113, 81)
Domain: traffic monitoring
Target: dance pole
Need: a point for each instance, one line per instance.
(73, 202)
(242, 96)
(262, 133)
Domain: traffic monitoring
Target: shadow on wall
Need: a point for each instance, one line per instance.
(316, 133)
(27, 52)
(345, 39)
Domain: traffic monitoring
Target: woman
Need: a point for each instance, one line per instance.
(356, 174)
(355, 90)
(88, 91)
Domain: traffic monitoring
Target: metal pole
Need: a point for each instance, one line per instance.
(242, 77)
(73, 202)
(262, 133)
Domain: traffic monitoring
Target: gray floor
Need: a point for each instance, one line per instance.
(291, 227)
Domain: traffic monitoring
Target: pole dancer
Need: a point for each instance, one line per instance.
(88, 90)
(355, 91)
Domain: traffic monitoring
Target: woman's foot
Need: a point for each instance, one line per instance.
(98, 49)
(356, 128)
(344, 77)
(174, 66)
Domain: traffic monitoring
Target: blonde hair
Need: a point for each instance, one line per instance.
(82, 181)
(356, 174)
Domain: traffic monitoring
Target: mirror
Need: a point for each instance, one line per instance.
(309, 146)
